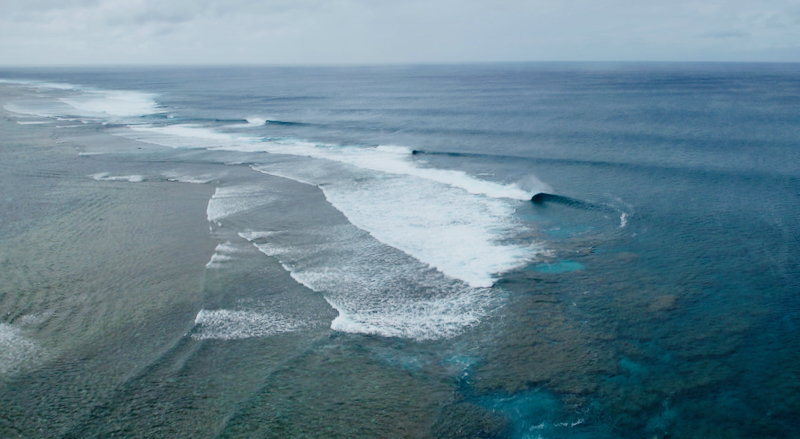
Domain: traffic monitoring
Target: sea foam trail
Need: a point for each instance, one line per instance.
(454, 222)
(222, 253)
(105, 176)
(183, 177)
(375, 288)
(49, 111)
(226, 324)
(40, 85)
(231, 200)
(391, 160)
(458, 233)
(113, 103)
(387, 159)
(84, 102)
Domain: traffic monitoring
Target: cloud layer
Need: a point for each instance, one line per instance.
(36, 32)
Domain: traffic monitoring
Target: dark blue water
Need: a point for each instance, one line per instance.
(666, 304)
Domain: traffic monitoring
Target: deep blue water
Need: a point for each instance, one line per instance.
(674, 286)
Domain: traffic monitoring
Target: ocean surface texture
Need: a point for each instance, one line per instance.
(354, 252)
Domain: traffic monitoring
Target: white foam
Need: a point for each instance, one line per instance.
(179, 136)
(251, 235)
(392, 160)
(86, 103)
(228, 201)
(458, 233)
(113, 103)
(41, 122)
(445, 218)
(623, 220)
(55, 86)
(416, 319)
(222, 253)
(386, 158)
(570, 424)
(257, 121)
(40, 85)
(234, 325)
(217, 260)
(15, 349)
(185, 178)
(27, 111)
(252, 121)
(34, 319)
(375, 288)
(104, 176)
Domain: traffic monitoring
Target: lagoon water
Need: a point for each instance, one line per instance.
(353, 251)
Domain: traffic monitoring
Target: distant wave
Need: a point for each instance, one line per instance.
(15, 349)
(104, 176)
(41, 84)
(240, 324)
(637, 166)
(283, 122)
(86, 102)
(114, 103)
(256, 121)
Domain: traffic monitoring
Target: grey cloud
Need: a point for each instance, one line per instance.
(782, 20)
(162, 17)
(379, 31)
(152, 15)
(725, 34)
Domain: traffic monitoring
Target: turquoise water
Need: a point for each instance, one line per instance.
(559, 267)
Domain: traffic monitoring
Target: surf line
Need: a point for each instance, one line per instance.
(543, 198)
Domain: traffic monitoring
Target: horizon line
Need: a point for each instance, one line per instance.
(380, 64)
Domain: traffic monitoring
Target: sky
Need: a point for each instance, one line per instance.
(103, 32)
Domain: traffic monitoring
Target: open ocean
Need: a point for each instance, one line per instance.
(380, 268)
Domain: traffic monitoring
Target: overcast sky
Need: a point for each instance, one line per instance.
(36, 32)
